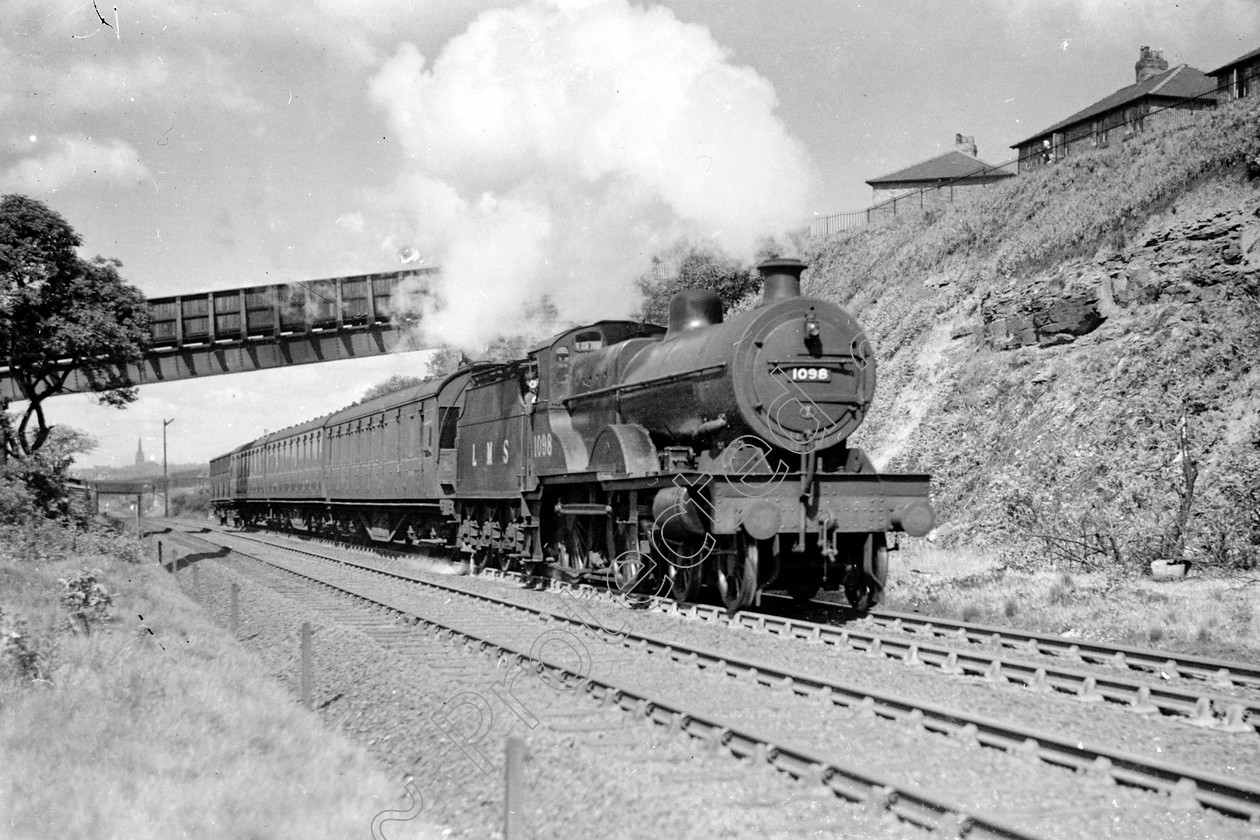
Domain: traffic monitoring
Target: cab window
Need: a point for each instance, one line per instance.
(588, 341)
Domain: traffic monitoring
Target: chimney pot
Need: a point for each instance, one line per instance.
(1150, 63)
(966, 144)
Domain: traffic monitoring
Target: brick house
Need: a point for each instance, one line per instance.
(1157, 91)
(1238, 78)
(944, 176)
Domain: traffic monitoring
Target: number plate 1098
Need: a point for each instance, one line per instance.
(808, 374)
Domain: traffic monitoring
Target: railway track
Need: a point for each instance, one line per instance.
(1179, 686)
(1222, 673)
(1180, 783)
(1047, 663)
(1195, 705)
(493, 635)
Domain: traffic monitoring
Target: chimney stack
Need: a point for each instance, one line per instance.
(1150, 63)
(781, 279)
(965, 144)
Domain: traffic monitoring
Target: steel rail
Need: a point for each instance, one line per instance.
(1172, 665)
(799, 761)
(1212, 711)
(1234, 798)
(1215, 712)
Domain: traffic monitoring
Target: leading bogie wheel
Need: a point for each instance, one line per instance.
(806, 578)
(804, 586)
(863, 593)
(685, 580)
(737, 574)
(628, 571)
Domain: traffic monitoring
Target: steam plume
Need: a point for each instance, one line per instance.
(558, 145)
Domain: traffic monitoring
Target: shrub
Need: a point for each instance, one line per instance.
(35, 487)
(22, 655)
(85, 597)
(17, 503)
(45, 541)
(191, 502)
(1061, 591)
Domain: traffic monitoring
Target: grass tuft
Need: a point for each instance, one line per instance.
(959, 583)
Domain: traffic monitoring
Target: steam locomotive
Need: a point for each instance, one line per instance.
(709, 453)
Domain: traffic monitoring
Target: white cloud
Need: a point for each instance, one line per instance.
(98, 86)
(559, 144)
(1170, 27)
(77, 162)
(353, 222)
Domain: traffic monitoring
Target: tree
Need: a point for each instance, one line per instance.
(444, 362)
(397, 382)
(36, 484)
(689, 265)
(60, 314)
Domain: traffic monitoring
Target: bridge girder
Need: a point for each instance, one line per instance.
(263, 327)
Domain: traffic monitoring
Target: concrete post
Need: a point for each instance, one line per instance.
(306, 664)
(514, 790)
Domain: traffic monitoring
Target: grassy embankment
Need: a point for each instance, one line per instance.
(1058, 471)
(1205, 614)
(155, 724)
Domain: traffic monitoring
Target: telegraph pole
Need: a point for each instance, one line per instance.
(166, 484)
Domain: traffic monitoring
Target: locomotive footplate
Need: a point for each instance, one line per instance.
(833, 504)
(767, 505)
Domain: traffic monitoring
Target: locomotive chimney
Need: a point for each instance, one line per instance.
(782, 279)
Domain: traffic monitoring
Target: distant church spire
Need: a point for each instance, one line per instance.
(139, 452)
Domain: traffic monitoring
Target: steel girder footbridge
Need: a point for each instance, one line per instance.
(261, 327)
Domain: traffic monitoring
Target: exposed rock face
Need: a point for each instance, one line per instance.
(1210, 258)
(1045, 323)
(1214, 257)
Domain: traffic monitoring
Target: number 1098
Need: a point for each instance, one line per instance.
(809, 374)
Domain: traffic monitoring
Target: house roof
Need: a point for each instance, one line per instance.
(1240, 60)
(950, 166)
(1181, 82)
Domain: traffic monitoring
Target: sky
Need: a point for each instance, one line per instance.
(540, 149)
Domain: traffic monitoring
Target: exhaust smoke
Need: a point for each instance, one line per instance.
(555, 146)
